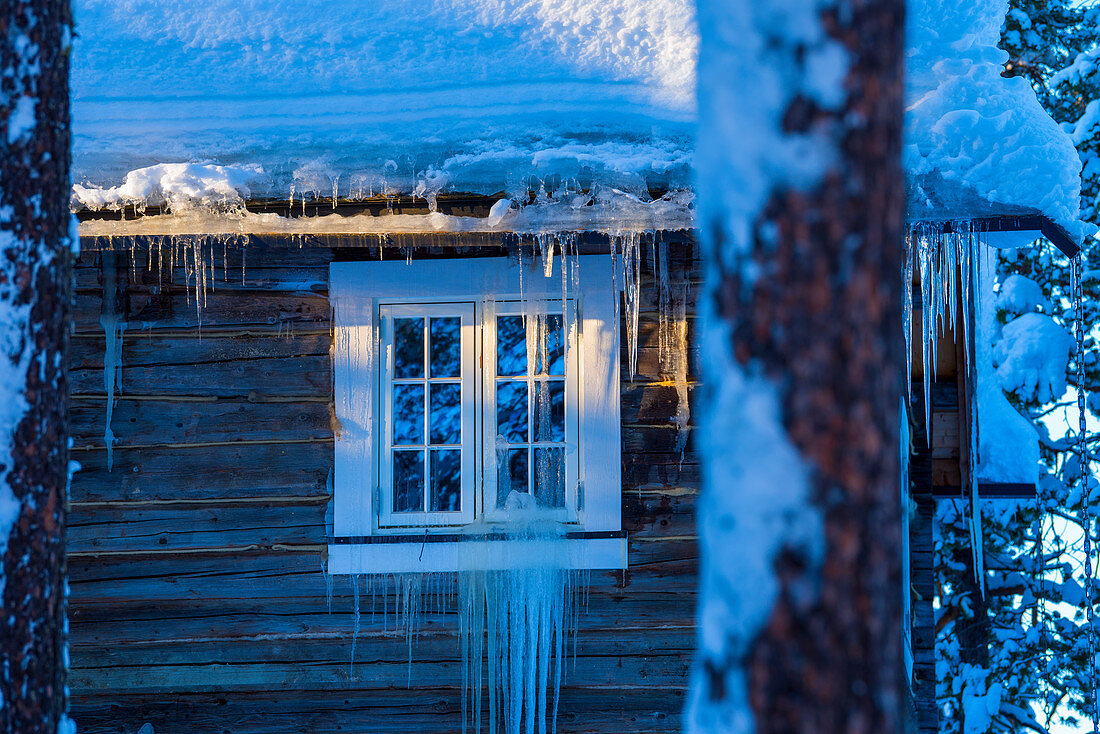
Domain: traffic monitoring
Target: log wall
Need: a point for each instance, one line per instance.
(199, 602)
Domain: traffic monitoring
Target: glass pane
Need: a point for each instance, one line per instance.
(446, 480)
(511, 474)
(445, 346)
(511, 346)
(512, 410)
(550, 410)
(446, 406)
(550, 477)
(408, 481)
(555, 346)
(408, 414)
(408, 347)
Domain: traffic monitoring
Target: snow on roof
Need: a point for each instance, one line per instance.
(979, 144)
(348, 99)
(478, 94)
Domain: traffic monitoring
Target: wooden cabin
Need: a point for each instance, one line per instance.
(228, 576)
(202, 548)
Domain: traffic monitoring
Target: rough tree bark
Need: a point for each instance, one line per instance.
(35, 254)
(807, 297)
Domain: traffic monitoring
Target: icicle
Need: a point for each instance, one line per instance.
(546, 249)
(630, 259)
(113, 327)
(355, 631)
(928, 329)
(907, 316)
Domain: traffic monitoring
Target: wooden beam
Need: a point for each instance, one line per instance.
(1050, 229)
(988, 491)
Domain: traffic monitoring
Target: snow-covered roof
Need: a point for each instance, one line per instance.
(475, 95)
(273, 99)
(979, 144)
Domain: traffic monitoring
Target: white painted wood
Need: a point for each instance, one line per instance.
(359, 289)
(600, 442)
(478, 555)
(354, 365)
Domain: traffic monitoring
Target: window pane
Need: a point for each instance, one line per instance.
(511, 474)
(550, 477)
(511, 346)
(408, 414)
(550, 410)
(512, 410)
(445, 343)
(446, 480)
(408, 481)
(446, 402)
(408, 349)
(555, 346)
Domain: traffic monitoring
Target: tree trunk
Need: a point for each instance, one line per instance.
(805, 247)
(34, 320)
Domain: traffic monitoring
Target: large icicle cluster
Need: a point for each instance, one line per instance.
(514, 626)
(947, 257)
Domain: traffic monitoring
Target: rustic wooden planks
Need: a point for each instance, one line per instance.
(196, 562)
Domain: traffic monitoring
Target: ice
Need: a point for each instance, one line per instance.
(357, 618)
(513, 624)
(607, 210)
(626, 252)
(113, 327)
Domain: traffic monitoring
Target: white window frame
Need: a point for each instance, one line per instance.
(363, 540)
(387, 518)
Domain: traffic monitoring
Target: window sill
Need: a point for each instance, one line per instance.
(450, 553)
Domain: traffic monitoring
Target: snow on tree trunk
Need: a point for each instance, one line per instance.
(801, 207)
(35, 241)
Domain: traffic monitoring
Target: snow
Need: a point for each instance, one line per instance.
(1008, 444)
(1019, 295)
(1031, 357)
(487, 92)
(22, 120)
(501, 96)
(180, 186)
(973, 137)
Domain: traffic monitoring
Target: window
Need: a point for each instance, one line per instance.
(467, 391)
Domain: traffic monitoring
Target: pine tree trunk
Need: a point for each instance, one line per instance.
(808, 298)
(34, 321)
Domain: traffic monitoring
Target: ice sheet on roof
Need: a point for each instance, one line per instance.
(485, 92)
(978, 144)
